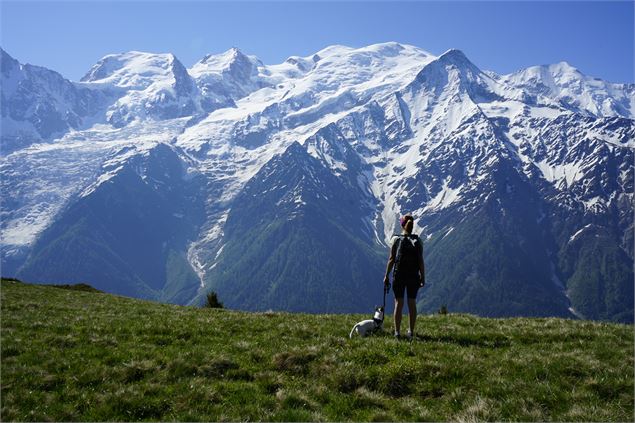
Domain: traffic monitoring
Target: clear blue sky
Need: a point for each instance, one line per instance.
(69, 37)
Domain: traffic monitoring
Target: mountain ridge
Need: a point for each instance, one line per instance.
(400, 130)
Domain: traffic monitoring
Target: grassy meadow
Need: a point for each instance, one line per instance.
(73, 355)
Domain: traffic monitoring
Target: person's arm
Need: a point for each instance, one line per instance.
(422, 267)
(391, 262)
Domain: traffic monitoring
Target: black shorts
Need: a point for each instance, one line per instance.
(399, 286)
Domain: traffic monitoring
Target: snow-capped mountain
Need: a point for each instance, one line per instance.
(39, 104)
(153, 86)
(279, 186)
(574, 90)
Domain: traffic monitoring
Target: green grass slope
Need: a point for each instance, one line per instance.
(86, 356)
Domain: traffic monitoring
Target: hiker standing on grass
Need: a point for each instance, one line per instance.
(406, 255)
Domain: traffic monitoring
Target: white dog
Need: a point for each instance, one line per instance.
(370, 326)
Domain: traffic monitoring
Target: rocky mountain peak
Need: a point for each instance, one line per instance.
(501, 173)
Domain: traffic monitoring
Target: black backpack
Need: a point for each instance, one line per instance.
(408, 252)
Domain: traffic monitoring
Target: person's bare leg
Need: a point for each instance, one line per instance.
(412, 313)
(397, 314)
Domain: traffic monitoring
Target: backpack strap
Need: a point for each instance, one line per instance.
(399, 240)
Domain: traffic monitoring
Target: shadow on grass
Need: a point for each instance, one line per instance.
(461, 340)
(466, 340)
